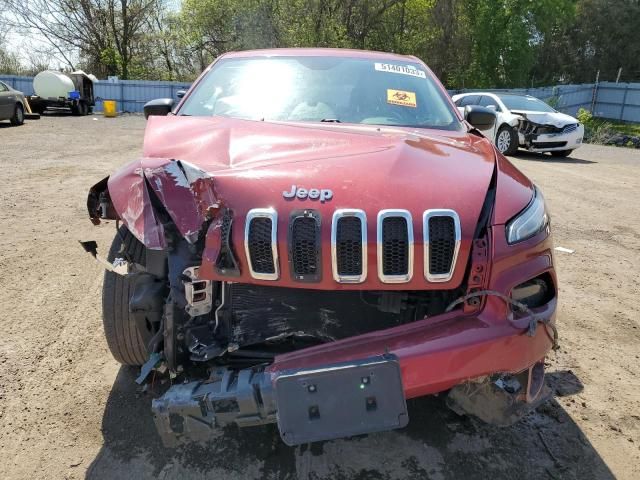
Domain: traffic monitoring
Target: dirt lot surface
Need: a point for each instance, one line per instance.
(68, 410)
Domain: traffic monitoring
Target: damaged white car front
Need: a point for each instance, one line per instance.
(541, 128)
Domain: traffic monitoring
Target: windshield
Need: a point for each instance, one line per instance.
(516, 102)
(317, 89)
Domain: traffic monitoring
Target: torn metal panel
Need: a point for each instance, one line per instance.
(131, 199)
(187, 194)
(552, 119)
(550, 130)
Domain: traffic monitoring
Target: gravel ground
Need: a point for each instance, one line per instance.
(68, 410)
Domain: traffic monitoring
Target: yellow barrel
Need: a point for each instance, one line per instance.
(110, 108)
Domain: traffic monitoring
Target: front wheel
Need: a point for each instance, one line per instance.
(120, 328)
(507, 140)
(561, 153)
(18, 115)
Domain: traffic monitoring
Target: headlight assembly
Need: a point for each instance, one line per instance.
(531, 221)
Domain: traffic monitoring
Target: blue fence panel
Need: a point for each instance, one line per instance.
(130, 95)
(23, 84)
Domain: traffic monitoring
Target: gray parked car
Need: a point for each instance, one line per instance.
(11, 104)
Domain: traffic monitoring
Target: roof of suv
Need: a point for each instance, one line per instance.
(320, 52)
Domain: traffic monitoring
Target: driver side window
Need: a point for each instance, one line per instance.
(487, 101)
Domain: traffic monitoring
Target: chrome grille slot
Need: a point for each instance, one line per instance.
(395, 246)
(441, 244)
(349, 246)
(261, 243)
(304, 246)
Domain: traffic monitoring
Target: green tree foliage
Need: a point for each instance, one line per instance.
(467, 43)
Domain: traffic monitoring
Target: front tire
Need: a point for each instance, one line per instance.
(561, 153)
(18, 115)
(120, 329)
(507, 140)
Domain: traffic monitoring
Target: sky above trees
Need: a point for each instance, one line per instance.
(468, 43)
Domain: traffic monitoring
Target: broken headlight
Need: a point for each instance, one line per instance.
(531, 221)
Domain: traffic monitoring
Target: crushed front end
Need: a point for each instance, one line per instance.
(538, 134)
(312, 308)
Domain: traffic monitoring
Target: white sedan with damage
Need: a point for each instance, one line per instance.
(526, 122)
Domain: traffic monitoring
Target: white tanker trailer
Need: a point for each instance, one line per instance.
(73, 91)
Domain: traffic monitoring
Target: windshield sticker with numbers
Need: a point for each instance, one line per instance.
(401, 69)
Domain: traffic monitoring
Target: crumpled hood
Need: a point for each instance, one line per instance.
(197, 166)
(253, 163)
(556, 119)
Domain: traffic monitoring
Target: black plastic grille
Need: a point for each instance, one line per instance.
(260, 245)
(395, 246)
(226, 262)
(349, 246)
(548, 144)
(304, 248)
(442, 243)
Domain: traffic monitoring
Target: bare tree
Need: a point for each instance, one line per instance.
(103, 31)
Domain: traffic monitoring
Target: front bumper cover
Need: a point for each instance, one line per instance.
(431, 356)
(546, 142)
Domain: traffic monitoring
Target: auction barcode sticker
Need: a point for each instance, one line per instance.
(402, 69)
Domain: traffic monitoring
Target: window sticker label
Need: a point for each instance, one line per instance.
(401, 69)
(402, 98)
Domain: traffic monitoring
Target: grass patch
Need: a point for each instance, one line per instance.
(604, 131)
(621, 127)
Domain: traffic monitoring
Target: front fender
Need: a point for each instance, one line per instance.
(147, 192)
(131, 200)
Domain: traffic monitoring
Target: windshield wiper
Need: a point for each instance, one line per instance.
(330, 120)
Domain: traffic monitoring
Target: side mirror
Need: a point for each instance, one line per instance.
(181, 93)
(159, 106)
(481, 118)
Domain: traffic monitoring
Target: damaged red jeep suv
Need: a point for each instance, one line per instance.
(313, 236)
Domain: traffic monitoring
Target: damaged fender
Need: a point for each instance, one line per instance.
(143, 193)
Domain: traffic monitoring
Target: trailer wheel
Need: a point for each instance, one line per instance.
(120, 329)
(18, 115)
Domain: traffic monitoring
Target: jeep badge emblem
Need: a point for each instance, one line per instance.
(313, 194)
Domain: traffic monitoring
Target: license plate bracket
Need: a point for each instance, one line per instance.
(340, 400)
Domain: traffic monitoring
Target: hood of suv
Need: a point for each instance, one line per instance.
(196, 164)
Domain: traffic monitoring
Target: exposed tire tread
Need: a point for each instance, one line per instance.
(121, 332)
